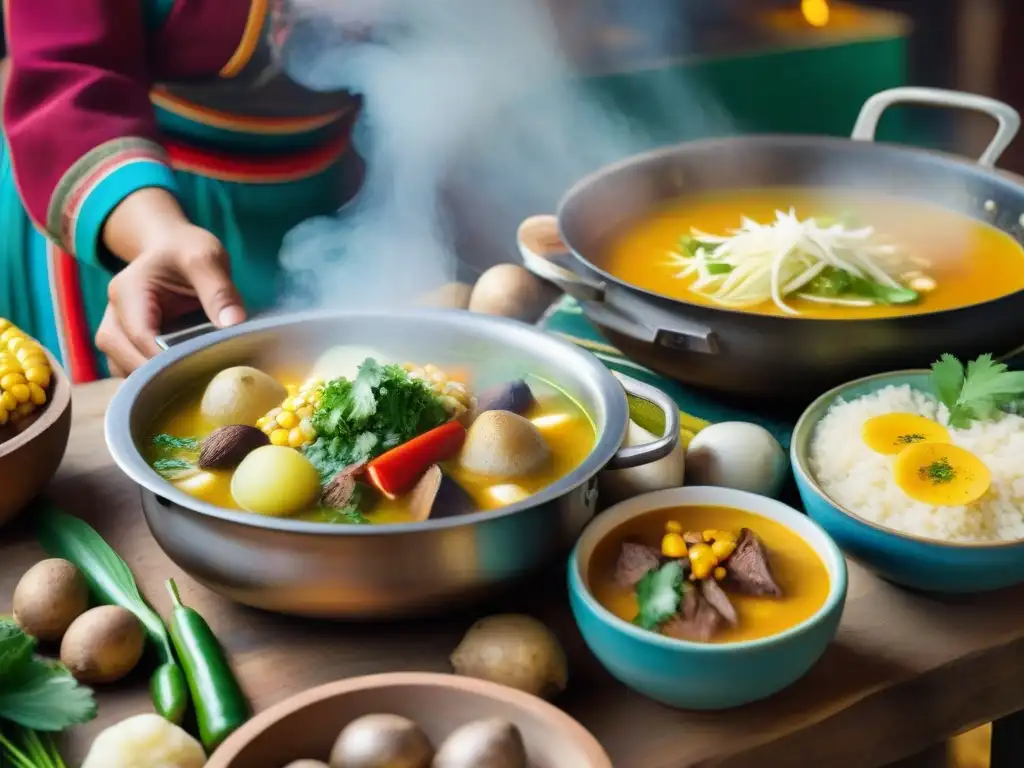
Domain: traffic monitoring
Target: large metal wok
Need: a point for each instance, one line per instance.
(781, 357)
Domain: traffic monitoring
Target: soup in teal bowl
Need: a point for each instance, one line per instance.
(647, 581)
(937, 549)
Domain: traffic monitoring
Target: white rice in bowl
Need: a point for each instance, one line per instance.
(861, 480)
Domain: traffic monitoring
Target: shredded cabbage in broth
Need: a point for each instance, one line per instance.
(829, 261)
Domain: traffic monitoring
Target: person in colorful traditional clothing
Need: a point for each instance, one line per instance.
(154, 156)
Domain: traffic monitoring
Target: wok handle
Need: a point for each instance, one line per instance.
(638, 455)
(1007, 117)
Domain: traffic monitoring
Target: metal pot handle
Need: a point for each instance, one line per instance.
(547, 256)
(1006, 116)
(638, 455)
(185, 328)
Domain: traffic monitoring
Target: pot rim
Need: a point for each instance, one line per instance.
(776, 139)
(582, 364)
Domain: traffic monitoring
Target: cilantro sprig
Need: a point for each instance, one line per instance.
(378, 410)
(37, 694)
(975, 393)
(658, 595)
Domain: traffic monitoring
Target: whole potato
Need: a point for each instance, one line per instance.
(51, 595)
(240, 395)
(514, 650)
(102, 645)
(382, 741)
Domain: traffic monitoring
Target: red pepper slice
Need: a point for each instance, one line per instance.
(395, 472)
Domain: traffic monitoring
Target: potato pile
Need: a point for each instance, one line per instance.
(97, 645)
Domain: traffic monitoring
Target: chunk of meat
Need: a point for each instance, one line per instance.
(635, 560)
(338, 492)
(702, 627)
(749, 569)
(691, 601)
(716, 597)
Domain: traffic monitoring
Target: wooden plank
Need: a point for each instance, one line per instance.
(906, 670)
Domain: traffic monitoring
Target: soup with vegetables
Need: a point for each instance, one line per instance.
(382, 443)
(708, 574)
(817, 253)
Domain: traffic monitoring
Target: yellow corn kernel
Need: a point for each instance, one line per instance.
(672, 545)
(709, 535)
(39, 375)
(24, 409)
(11, 380)
(702, 560)
(36, 394)
(287, 419)
(16, 343)
(719, 573)
(279, 437)
(21, 393)
(9, 366)
(4, 324)
(261, 422)
(723, 548)
(288, 404)
(11, 333)
(4, 416)
(8, 401)
(308, 430)
(304, 412)
(673, 527)
(295, 438)
(292, 389)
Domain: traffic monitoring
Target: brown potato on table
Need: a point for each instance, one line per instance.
(382, 741)
(49, 597)
(102, 645)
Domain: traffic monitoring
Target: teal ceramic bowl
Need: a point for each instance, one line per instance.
(921, 563)
(704, 676)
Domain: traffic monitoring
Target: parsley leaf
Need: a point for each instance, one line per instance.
(978, 392)
(658, 595)
(361, 419)
(34, 694)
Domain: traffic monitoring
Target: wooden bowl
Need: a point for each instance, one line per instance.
(29, 459)
(306, 725)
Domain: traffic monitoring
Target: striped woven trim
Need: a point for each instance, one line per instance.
(270, 126)
(83, 176)
(73, 334)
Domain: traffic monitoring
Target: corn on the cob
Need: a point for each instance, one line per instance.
(24, 373)
(291, 424)
(454, 395)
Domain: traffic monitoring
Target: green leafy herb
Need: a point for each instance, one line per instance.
(34, 694)
(658, 595)
(939, 472)
(173, 456)
(978, 392)
(172, 443)
(360, 419)
(25, 748)
(112, 582)
(909, 439)
(690, 245)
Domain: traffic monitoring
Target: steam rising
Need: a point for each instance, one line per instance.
(467, 103)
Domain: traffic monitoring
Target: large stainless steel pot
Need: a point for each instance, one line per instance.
(781, 357)
(325, 570)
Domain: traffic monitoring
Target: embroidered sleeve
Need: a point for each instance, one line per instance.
(77, 116)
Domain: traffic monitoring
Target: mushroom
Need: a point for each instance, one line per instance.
(382, 741)
(227, 446)
(503, 444)
(514, 396)
(437, 495)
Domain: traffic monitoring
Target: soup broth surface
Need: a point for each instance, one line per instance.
(795, 565)
(970, 261)
(566, 428)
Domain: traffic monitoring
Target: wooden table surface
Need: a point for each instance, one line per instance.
(906, 670)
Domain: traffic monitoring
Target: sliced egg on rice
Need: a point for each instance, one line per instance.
(890, 433)
(941, 474)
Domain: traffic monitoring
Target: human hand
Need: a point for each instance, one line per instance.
(185, 269)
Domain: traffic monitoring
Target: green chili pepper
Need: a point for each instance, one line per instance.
(219, 703)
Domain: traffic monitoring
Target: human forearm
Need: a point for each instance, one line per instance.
(143, 221)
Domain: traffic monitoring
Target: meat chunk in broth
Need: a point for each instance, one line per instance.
(635, 560)
(749, 569)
